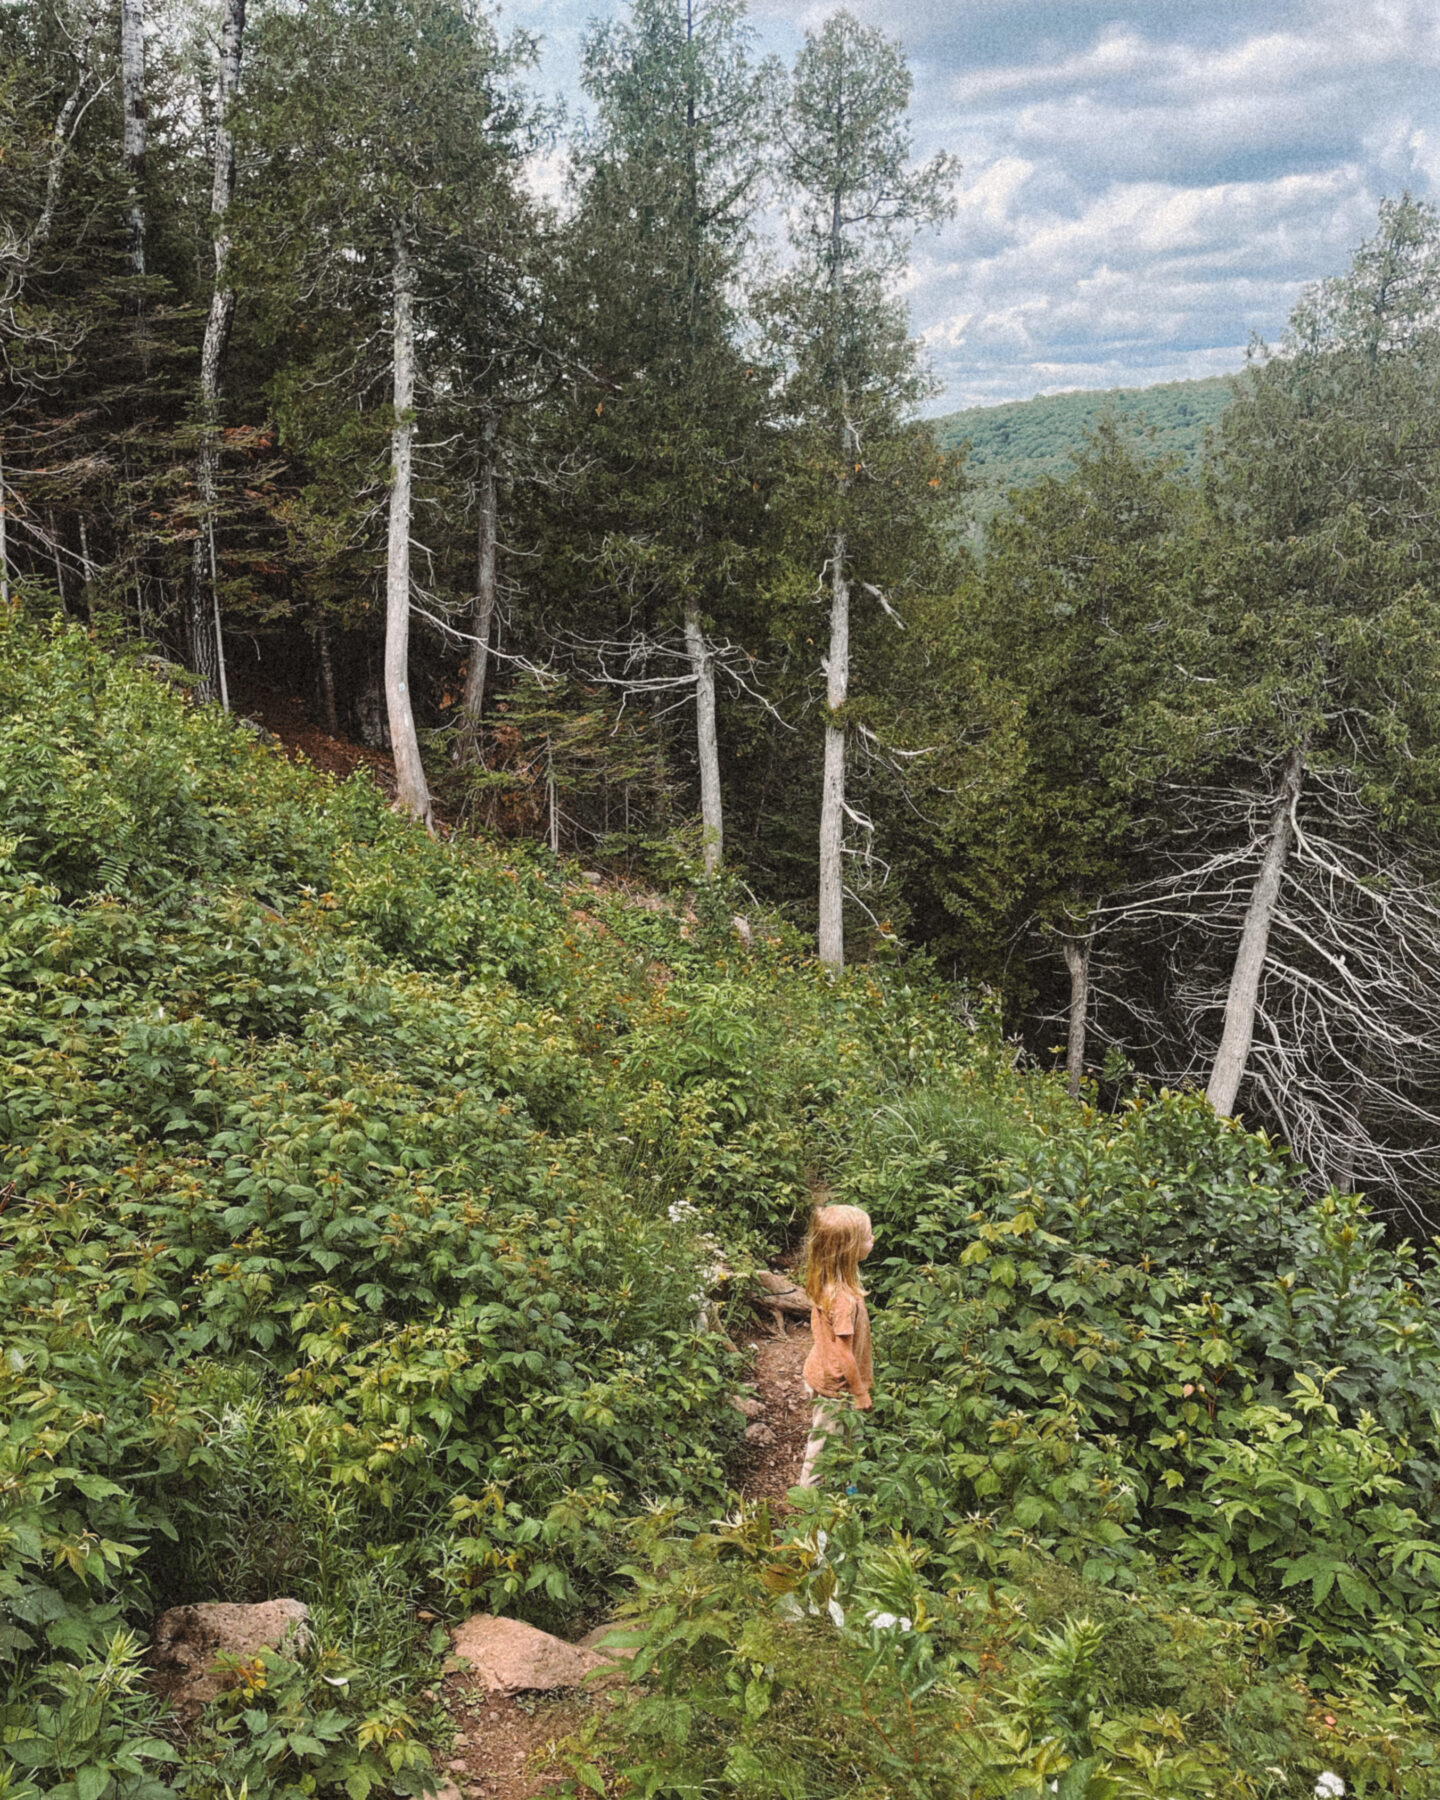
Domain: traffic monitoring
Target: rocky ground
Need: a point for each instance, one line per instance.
(502, 1745)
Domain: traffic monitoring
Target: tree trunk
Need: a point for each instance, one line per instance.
(707, 745)
(327, 680)
(1077, 960)
(206, 647)
(55, 552)
(1234, 1051)
(132, 80)
(84, 563)
(412, 792)
(478, 668)
(4, 541)
(832, 799)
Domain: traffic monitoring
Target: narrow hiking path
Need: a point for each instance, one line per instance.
(499, 1748)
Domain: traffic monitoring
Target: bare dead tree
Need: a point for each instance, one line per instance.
(414, 791)
(1241, 1001)
(1077, 961)
(1344, 1058)
(486, 540)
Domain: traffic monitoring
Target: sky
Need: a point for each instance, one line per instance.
(1145, 186)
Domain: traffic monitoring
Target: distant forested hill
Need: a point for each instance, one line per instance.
(1018, 442)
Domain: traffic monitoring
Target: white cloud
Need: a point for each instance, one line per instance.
(1143, 187)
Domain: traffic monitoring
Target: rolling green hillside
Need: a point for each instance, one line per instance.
(1019, 442)
(364, 1199)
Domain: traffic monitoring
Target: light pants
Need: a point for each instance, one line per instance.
(824, 1417)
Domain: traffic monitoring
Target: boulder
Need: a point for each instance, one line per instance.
(189, 1642)
(507, 1657)
(594, 1639)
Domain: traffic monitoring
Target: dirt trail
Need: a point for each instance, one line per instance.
(768, 1472)
(499, 1746)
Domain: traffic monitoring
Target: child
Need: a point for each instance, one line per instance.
(838, 1367)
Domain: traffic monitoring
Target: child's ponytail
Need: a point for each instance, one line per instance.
(832, 1253)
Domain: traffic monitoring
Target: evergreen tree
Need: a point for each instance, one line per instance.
(676, 422)
(379, 135)
(856, 201)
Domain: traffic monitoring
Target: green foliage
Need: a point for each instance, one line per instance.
(1015, 444)
(1148, 1487)
(339, 1254)
(361, 1183)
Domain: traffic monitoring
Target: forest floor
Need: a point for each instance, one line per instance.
(503, 1748)
(287, 717)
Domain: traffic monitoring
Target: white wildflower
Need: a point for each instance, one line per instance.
(1329, 1787)
(887, 1621)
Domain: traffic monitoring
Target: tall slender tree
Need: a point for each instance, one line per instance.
(856, 201)
(135, 116)
(206, 638)
(669, 186)
(381, 132)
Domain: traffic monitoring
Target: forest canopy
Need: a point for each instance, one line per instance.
(609, 519)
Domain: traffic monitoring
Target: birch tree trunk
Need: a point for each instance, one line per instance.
(412, 792)
(1077, 960)
(707, 745)
(206, 642)
(483, 618)
(832, 797)
(4, 541)
(1235, 1040)
(132, 81)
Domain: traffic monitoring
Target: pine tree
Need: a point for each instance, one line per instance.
(856, 202)
(379, 133)
(669, 184)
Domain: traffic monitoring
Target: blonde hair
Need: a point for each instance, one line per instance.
(832, 1252)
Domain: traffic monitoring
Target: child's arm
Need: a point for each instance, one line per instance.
(850, 1369)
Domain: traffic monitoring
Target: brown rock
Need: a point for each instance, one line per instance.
(189, 1641)
(593, 1640)
(759, 1434)
(506, 1657)
(747, 1404)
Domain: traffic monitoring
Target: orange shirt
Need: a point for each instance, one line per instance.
(847, 1328)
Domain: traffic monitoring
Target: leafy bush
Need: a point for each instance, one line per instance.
(360, 1189)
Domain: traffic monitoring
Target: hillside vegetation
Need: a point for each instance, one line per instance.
(361, 1187)
(1014, 444)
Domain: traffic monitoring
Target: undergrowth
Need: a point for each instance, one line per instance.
(360, 1192)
